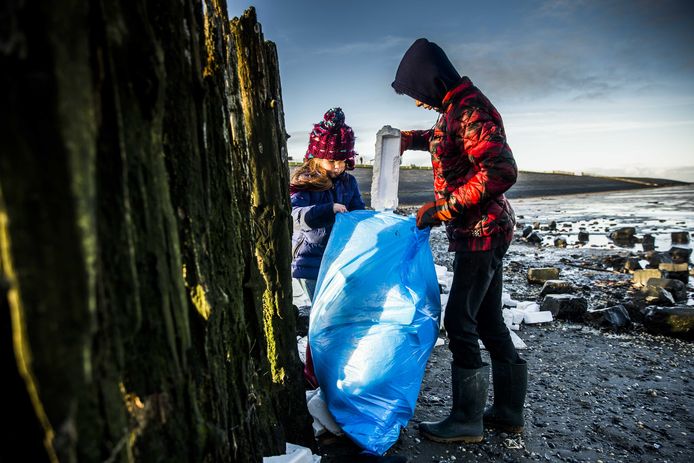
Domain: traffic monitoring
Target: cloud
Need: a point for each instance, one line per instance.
(583, 50)
(683, 173)
(371, 47)
(604, 126)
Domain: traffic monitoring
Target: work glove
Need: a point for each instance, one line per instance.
(405, 140)
(433, 213)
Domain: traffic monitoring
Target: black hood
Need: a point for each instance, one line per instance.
(425, 73)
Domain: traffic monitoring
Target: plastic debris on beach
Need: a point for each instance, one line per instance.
(294, 454)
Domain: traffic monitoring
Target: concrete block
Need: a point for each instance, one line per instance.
(670, 321)
(672, 267)
(641, 277)
(623, 234)
(386, 169)
(681, 237)
(614, 318)
(565, 306)
(557, 287)
(680, 255)
(542, 274)
(677, 288)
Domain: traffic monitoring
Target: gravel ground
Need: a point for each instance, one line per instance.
(592, 395)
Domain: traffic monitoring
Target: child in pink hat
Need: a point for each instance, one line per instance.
(319, 189)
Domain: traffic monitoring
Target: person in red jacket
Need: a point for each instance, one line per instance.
(473, 166)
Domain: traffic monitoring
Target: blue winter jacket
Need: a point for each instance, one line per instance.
(313, 216)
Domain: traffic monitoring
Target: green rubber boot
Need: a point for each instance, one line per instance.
(464, 424)
(510, 382)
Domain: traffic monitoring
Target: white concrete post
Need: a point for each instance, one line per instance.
(386, 170)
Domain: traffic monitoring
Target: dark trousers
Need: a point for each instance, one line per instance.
(474, 309)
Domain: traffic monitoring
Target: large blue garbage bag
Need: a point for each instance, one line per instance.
(374, 323)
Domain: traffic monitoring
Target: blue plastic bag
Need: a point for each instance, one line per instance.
(374, 323)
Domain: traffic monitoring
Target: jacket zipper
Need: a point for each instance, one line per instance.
(299, 242)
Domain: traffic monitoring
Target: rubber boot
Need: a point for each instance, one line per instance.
(464, 424)
(510, 382)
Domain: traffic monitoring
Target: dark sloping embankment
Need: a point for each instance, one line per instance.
(416, 184)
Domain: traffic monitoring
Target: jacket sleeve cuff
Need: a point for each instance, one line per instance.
(320, 215)
(420, 140)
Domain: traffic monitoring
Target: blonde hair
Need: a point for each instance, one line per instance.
(311, 176)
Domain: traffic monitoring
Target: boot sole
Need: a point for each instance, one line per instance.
(448, 440)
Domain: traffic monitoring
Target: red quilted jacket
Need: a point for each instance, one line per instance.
(473, 167)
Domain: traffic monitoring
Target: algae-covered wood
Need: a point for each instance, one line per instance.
(144, 236)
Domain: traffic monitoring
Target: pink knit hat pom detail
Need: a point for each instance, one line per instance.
(333, 117)
(332, 139)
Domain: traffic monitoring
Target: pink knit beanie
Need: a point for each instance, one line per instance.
(332, 139)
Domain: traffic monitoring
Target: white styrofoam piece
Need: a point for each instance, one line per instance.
(507, 301)
(296, 288)
(517, 316)
(294, 454)
(310, 393)
(319, 411)
(528, 306)
(299, 297)
(517, 342)
(386, 169)
(531, 318)
(507, 316)
(318, 428)
(301, 344)
(444, 277)
(444, 299)
(447, 282)
(444, 303)
(439, 342)
(440, 271)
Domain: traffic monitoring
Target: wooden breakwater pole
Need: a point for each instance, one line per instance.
(145, 293)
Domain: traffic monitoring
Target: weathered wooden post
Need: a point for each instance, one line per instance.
(143, 243)
(265, 139)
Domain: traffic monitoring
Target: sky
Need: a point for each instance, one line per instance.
(596, 86)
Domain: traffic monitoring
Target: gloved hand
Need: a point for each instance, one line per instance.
(405, 140)
(433, 213)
